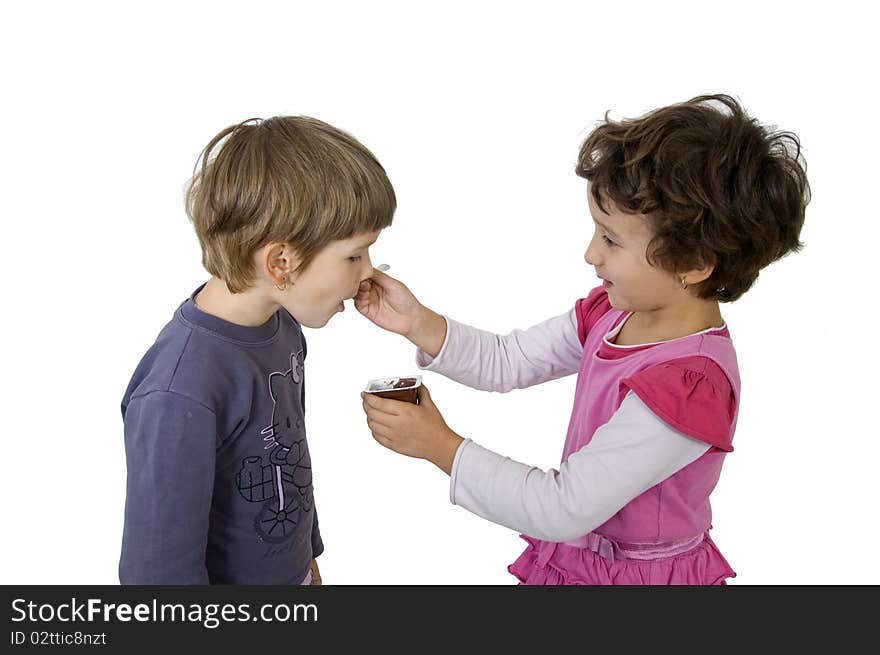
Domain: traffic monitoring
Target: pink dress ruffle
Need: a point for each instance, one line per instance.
(570, 565)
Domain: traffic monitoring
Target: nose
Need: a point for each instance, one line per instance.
(368, 267)
(591, 256)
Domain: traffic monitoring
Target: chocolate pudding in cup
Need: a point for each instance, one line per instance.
(400, 388)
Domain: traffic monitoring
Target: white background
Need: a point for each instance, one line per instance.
(476, 110)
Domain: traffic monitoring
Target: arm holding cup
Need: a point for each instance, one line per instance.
(413, 430)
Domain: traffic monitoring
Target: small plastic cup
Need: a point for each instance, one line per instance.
(405, 388)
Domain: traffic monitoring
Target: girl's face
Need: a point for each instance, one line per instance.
(618, 252)
(332, 277)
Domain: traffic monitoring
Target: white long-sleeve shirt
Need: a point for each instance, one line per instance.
(631, 453)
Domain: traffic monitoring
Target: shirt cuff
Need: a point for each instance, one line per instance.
(453, 476)
(427, 363)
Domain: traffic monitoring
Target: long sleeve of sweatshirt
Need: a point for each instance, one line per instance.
(170, 443)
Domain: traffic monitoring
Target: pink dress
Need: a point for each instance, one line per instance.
(662, 535)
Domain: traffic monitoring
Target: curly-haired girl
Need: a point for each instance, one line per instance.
(690, 202)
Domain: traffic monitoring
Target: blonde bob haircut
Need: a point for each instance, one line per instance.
(289, 179)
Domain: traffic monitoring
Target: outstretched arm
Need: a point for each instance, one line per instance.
(473, 357)
(490, 362)
(388, 303)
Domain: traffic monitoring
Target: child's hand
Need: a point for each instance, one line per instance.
(316, 574)
(388, 303)
(412, 430)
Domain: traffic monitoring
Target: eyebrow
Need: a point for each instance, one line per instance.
(606, 228)
(602, 225)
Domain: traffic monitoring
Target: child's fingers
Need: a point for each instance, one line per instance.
(425, 396)
(383, 405)
(374, 418)
(363, 294)
(380, 432)
(379, 420)
(378, 429)
(362, 304)
(375, 427)
(365, 289)
(382, 440)
(383, 280)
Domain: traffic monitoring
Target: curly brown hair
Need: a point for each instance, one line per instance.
(718, 187)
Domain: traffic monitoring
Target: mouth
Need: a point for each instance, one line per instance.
(341, 306)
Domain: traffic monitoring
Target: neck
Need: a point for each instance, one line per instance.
(673, 321)
(249, 308)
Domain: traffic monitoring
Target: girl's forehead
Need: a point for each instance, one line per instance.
(622, 222)
(607, 208)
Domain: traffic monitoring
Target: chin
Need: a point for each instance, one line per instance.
(613, 303)
(315, 320)
(318, 323)
(618, 304)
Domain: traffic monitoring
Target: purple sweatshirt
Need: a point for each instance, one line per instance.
(219, 484)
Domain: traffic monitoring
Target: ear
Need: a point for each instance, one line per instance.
(697, 275)
(276, 261)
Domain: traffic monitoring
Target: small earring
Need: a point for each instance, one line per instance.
(684, 284)
(283, 285)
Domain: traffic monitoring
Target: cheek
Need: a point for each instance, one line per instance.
(654, 280)
(341, 282)
(628, 271)
(319, 288)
